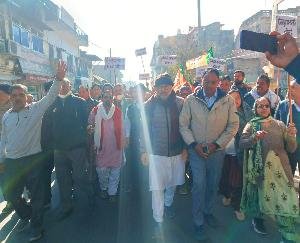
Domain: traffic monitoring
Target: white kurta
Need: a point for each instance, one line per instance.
(165, 172)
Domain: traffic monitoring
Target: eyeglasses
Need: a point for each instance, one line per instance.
(263, 106)
(22, 95)
(161, 87)
(212, 82)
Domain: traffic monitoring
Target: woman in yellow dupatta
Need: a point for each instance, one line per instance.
(268, 186)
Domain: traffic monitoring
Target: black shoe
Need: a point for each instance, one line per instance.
(258, 226)
(64, 214)
(211, 221)
(104, 194)
(36, 235)
(169, 212)
(200, 233)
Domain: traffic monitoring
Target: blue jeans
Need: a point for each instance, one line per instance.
(206, 177)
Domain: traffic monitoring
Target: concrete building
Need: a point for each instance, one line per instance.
(34, 35)
(193, 44)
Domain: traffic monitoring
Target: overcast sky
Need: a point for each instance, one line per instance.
(126, 25)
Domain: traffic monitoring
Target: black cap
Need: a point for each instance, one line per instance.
(5, 88)
(163, 79)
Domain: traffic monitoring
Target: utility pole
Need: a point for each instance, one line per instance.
(110, 68)
(199, 22)
(199, 13)
(274, 13)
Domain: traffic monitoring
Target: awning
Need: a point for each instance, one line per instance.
(93, 58)
(29, 67)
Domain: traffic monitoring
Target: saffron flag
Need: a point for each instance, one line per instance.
(180, 81)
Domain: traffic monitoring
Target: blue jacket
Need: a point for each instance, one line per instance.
(294, 68)
(282, 114)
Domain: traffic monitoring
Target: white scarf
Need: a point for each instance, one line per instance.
(66, 95)
(101, 115)
(270, 95)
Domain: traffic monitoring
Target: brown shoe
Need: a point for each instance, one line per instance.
(226, 201)
(240, 215)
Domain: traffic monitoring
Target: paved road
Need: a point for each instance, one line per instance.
(130, 221)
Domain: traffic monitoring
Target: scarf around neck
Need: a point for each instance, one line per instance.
(100, 115)
(257, 171)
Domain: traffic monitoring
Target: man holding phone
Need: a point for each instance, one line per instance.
(280, 49)
(288, 56)
(208, 121)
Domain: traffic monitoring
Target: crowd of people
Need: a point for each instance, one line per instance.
(234, 139)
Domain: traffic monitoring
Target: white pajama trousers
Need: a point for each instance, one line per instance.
(109, 179)
(161, 198)
(165, 173)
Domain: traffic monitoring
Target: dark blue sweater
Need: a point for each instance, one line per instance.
(294, 68)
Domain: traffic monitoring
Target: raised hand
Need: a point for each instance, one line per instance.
(61, 70)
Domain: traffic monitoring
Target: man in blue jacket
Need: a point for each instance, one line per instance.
(282, 114)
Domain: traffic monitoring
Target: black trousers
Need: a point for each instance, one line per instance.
(231, 183)
(48, 168)
(26, 172)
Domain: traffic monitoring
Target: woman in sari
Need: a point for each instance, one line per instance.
(268, 186)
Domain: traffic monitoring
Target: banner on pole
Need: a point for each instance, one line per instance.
(216, 63)
(144, 76)
(115, 63)
(286, 24)
(141, 52)
(196, 62)
(167, 60)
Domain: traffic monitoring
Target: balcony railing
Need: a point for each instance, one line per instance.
(82, 36)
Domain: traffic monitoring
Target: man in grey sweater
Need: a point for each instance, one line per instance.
(20, 153)
(164, 149)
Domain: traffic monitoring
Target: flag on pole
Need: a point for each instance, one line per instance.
(209, 55)
(180, 80)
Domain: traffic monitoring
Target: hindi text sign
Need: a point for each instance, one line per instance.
(216, 63)
(144, 76)
(287, 24)
(141, 52)
(200, 71)
(167, 60)
(115, 63)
